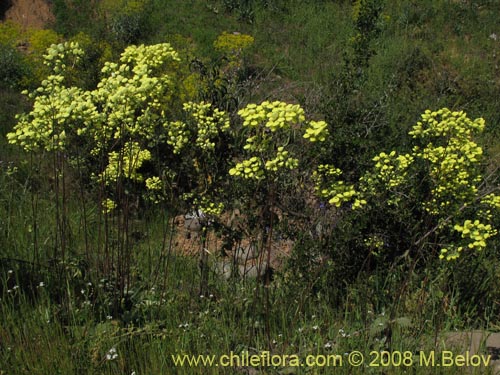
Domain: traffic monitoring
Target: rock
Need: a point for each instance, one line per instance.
(228, 268)
(195, 221)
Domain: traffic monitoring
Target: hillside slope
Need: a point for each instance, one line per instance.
(30, 13)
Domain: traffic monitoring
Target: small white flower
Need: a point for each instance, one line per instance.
(111, 354)
(9, 272)
(328, 345)
(41, 285)
(15, 287)
(343, 334)
(109, 317)
(315, 328)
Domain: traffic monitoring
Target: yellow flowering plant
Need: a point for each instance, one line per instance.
(130, 139)
(438, 183)
(271, 128)
(233, 45)
(127, 121)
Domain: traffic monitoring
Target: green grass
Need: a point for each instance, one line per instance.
(37, 339)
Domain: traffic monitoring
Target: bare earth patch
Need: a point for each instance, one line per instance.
(30, 13)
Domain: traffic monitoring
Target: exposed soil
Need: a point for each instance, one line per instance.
(28, 13)
(187, 242)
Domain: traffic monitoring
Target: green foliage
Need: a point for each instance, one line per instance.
(13, 67)
(38, 43)
(10, 33)
(366, 14)
(445, 160)
(127, 20)
(77, 15)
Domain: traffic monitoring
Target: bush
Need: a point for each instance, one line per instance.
(127, 20)
(13, 67)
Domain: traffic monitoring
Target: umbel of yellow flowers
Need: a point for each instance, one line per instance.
(270, 125)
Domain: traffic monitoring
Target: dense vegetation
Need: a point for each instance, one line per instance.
(356, 139)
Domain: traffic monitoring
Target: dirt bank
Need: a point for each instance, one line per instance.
(29, 13)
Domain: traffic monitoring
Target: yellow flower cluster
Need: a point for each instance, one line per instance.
(476, 232)
(154, 183)
(233, 45)
(317, 131)
(271, 125)
(250, 168)
(122, 119)
(336, 191)
(108, 205)
(131, 93)
(392, 169)
(374, 242)
(144, 59)
(55, 112)
(273, 115)
(208, 207)
(125, 163)
(449, 157)
(154, 186)
(209, 123)
(131, 100)
(282, 160)
(58, 56)
(178, 135)
(56, 109)
(452, 156)
(445, 123)
(491, 200)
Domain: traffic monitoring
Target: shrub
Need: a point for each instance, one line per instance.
(127, 20)
(13, 67)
